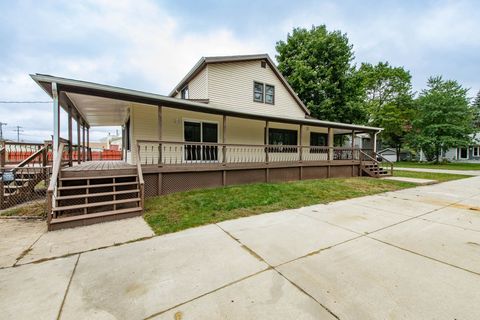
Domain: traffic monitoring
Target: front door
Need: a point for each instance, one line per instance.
(205, 136)
(463, 153)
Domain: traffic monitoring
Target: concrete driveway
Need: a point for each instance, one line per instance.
(410, 254)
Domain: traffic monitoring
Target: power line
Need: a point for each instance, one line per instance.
(1, 130)
(6, 102)
(18, 130)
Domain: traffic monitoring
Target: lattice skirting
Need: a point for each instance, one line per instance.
(170, 182)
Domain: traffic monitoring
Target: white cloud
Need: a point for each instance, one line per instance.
(145, 49)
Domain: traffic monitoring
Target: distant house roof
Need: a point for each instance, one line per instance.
(226, 59)
(387, 150)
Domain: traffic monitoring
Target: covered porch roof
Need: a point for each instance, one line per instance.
(104, 105)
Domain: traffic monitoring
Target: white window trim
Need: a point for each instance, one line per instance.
(476, 151)
(460, 153)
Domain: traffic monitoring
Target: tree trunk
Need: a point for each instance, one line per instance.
(398, 148)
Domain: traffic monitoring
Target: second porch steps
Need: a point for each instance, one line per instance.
(86, 200)
(374, 170)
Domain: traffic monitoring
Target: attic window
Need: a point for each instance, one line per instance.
(269, 94)
(184, 93)
(258, 92)
(263, 64)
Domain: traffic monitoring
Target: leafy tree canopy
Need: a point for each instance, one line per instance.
(318, 65)
(388, 101)
(476, 111)
(443, 118)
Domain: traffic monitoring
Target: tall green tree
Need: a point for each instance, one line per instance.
(476, 111)
(317, 64)
(444, 118)
(388, 101)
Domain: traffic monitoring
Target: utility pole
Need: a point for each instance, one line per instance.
(1, 130)
(18, 130)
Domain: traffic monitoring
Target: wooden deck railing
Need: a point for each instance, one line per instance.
(141, 182)
(52, 187)
(153, 152)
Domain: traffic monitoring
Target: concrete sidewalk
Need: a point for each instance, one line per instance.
(464, 172)
(410, 254)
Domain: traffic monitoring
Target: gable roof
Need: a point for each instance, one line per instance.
(226, 59)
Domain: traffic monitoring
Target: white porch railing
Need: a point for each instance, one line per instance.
(191, 153)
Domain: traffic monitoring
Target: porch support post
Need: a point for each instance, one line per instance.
(56, 120)
(88, 144)
(300, 142)
(330, 143)
(83, 141)
(123, 143)
(160, 135)
(353, 144)
(224, 139)
(375, 142)
(70, 138)
(265, 140)
(78, 139)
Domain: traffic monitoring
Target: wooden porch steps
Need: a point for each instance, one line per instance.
(95, 204)
(80, 196)
(92, 218)
(97, 185)
(373, 170)
(95, 197)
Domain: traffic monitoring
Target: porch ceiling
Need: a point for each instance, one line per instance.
(99, 111)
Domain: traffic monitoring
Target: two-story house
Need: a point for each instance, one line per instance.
(230, 120)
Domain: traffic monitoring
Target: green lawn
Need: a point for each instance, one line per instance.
(447, 166)
(441, 177)
(184, 210)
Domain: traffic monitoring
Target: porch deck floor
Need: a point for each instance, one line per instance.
(99, 165)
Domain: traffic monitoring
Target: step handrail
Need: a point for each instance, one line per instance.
(365, 155)
(32, 157)
(57, 164)
(390, 163)
(140, 177)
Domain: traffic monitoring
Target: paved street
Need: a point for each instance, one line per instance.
(410, 254)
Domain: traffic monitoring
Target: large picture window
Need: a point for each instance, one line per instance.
(318, 139)
(282, 137)
(206, 132)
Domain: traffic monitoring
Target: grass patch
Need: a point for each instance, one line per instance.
(184, 210)
(445, 166)
(441, 177)
(32, 209)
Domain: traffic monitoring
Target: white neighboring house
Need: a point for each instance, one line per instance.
(461, 154)
(389, 153)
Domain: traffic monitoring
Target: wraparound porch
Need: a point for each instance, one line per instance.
(176, 144)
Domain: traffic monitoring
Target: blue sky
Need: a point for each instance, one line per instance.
(149, 45)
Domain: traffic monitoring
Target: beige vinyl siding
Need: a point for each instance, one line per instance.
(230, 86)
(197, 87)
(144, 122)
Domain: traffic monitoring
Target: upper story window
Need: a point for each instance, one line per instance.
(263, 93)
(258, 92)
(184, 93)
(269, 94)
